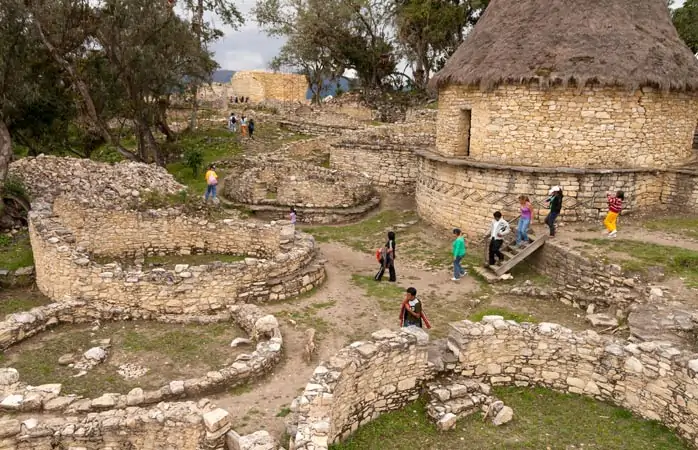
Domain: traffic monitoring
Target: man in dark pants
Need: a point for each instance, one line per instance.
(555, 203)
(500, 228)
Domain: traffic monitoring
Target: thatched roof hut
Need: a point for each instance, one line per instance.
(622, 43)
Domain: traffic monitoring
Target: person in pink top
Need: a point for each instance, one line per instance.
(526, 211)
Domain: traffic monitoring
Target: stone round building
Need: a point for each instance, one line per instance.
(592, 95)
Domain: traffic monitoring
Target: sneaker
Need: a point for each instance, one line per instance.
(455, 279)
(464, 273)
(612, 234)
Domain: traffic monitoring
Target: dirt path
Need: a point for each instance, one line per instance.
(342, 313)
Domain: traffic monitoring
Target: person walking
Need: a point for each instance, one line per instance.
(387, 259)
(615, 206)
(458, 254)
(500, 228)
(244, 126)
(292, 215)
(526, 211)
(211, 182)
(411, 313)
(232, 122)
(555, 204)
(250, 127)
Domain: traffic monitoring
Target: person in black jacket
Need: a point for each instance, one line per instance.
(555, 205)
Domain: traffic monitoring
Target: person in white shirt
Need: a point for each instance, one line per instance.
(500, 228)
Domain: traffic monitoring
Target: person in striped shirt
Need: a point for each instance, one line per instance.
(615, 205)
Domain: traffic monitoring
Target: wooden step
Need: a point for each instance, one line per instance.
(509, 253)
(523, 254)
(486, 273)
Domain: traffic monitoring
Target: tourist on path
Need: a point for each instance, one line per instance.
(458, 254)
(615, 205)
(411, 314)
(555, 204)
(211, 182)
(526, 211)
(500, 228)
(250, 127)
(233, 123)
(387, 257)
(244, 126)
(292, 215)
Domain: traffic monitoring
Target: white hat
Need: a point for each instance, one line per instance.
(554, 189)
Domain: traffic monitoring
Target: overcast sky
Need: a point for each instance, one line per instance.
(249, 48)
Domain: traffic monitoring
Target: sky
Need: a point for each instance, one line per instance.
(249, 48)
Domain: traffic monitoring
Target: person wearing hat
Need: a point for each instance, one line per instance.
(411, 314)
(555, 205)
(211, 182)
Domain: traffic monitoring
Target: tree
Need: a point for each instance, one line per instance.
(429, 31)
(686, 22)
(229, 15)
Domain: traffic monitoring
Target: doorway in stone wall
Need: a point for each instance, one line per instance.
(464, 131)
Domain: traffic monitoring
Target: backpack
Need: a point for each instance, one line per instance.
(233, 120)
(212, 179)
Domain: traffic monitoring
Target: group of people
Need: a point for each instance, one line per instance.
(237, 99)
(246, 125)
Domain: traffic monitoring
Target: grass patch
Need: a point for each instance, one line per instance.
(214, 144)
(13, 305)
(16, 252)
(323, 305)
(542, 419)
(477, 316)
(240, 389)
(388, 295)
(524, 271)
(285, 411)
(676, 261)
(366, 235)
(307, 318)
(170, 351)
(686, 226)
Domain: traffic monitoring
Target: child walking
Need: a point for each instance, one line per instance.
(615, 205)
(211, 183)
(458, 254)
(526, 211)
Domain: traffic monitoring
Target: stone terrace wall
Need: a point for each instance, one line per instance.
(452, 192)
(653, 380)
(585, 281)
(385, 154)
(360, 383)
(124, 233)
(523, 125)
(297, 183)
(64, 266)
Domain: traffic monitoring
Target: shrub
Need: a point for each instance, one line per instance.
(194, 159)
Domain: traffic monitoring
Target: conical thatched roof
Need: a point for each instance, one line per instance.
(628, 43)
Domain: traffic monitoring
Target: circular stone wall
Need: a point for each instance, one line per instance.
(66, 239)
(320, 195)
(523, 125)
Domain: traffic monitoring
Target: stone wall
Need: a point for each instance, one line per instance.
(462, 193)
(522, 125)
(270, 187)
(385, 154)
(259, 86)
(654, 380)
(18, 396)
(357, 385)
(302, 126)
(65, 239)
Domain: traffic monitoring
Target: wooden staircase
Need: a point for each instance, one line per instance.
(512, 257)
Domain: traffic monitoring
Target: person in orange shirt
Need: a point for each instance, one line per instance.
(211, 182)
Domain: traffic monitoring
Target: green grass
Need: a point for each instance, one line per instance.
(170, 351)
(307, 318)
(16, 252)
(477, 316)
(543, 419)
(687, 226)
(23, 303)
(366, 235)
(215, 145)
(676, 261)
(285, 411)
(388, 295)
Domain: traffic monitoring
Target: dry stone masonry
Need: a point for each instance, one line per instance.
(261, 85)
(18, 396)
(320, 195)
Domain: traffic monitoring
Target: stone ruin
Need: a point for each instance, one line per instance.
(269, 188)
(366, 379)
